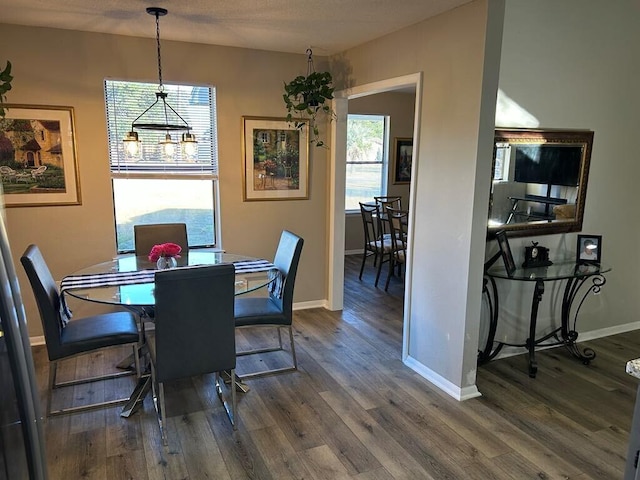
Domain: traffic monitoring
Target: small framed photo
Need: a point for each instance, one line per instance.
(402, 160)
(505, 249)
(589, 249)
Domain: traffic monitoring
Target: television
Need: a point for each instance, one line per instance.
(548, 164)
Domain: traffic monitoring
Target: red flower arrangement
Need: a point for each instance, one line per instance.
(164, 250)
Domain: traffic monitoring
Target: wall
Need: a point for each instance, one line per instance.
(400, 108)
(248, 82)
(458, 54)
(575, 64)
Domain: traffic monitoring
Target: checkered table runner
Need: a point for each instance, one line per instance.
(112, 279)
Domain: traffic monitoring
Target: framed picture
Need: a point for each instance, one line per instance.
(275, 159)
(589, 249)
(402, 160)
(38, 165)
(505, 250)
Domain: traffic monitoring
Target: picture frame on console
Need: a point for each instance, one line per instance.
(505, 250)
(589, 249)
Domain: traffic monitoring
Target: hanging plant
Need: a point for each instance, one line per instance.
(5, 86)
(305, 98)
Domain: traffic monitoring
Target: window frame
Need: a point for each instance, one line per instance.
(157, 169)
(384, 183)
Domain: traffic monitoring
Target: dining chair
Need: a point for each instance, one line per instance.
(67, 338)
(383, 203)
(398, 220)
(276, 309)
(148, 235)
(374, 242)
(194, 331)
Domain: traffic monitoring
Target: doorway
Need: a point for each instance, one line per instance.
(412, 82)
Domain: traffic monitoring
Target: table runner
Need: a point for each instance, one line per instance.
(113, 279)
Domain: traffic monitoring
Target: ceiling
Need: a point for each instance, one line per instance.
(328, 26)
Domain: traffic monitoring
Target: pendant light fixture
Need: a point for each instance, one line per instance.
(161, 116)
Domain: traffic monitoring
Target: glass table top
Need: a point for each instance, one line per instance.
(556, 271)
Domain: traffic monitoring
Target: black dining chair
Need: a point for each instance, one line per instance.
(375, 244)
(146, 236)
(194, 331)
(66, 338)
(398, 220)
(276, 309)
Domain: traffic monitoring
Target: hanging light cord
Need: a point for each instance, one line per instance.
(161, 87)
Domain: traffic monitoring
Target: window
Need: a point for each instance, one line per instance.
(501, 166)
(367, 159)
(149, 188)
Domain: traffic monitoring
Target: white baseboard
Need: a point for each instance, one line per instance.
(35, 341)
(353, 252)
(442, 383)
(312, 304)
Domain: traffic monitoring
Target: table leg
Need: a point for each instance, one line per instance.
(531, 341)
(568, 331)
(136, 398)
(490, 350)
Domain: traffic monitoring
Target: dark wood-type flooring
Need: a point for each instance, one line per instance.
(354, 411)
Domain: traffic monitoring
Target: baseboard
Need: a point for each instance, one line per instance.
(311, 304)
(36, 341)
(353, 252)
(582, 337)
(442, 383)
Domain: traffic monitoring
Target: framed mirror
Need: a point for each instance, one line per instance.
(539, 183)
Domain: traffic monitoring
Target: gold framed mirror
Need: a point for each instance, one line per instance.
(539, 182)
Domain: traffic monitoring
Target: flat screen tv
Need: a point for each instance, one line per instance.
(548, 164)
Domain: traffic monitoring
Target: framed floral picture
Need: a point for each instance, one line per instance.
(38, 165)
(275, 159)
(402, 160)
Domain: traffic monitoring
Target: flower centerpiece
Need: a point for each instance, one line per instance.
(165, 254)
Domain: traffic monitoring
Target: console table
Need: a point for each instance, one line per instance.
(575, 275)
(546, 201)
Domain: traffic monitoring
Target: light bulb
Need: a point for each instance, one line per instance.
(189, 144)
(132, 144)
(168, 146)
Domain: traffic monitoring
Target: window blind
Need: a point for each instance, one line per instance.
(125, 101)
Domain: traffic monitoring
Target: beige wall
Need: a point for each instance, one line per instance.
(248, 82)
(458, 55)
(400, 108)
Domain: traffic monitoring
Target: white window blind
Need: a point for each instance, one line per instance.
(125, 101)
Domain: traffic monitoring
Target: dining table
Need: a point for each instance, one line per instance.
(128, 281)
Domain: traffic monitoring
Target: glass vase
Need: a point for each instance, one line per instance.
(166, 262)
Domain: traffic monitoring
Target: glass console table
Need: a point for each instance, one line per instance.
(575, 275)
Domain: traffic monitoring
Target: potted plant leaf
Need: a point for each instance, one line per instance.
(305, 98)
(5, 86)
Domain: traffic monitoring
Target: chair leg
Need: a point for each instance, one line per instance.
(231, 410)
(392, 266)
(293, 348)
(163, 415)
(53, 369)
(379, 269)
(364, 259)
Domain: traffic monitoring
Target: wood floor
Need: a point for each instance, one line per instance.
(354, 411)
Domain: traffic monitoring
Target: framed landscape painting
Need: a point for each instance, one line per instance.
(38, 165)
(275, 159)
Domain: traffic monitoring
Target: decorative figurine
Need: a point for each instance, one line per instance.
(536, 256)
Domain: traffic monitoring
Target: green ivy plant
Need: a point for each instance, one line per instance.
(305, 99)
(5, 86)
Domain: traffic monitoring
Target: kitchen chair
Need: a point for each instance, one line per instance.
(146, 236)
(194, 331)
(398, 225)
(374, 243)
(383, 203)
(275, 310)
(67, 338)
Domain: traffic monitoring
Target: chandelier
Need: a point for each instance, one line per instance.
(161, 116)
